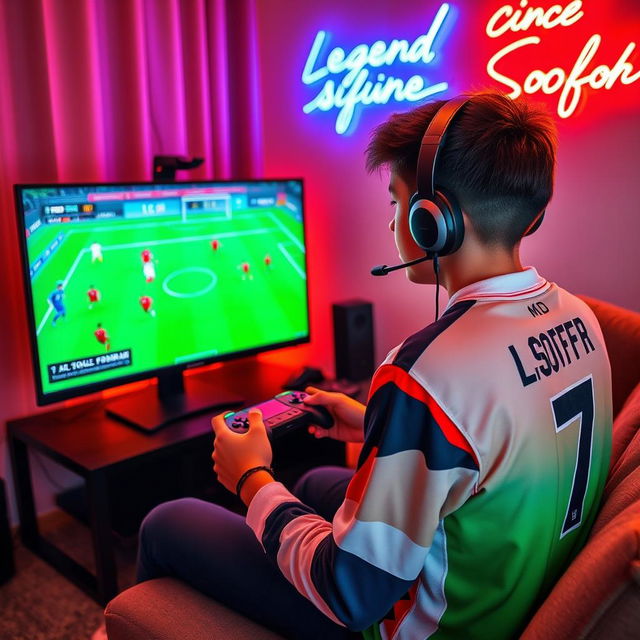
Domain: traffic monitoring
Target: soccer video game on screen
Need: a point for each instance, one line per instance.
(131, 278)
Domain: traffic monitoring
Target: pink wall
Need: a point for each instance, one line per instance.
(588, 241)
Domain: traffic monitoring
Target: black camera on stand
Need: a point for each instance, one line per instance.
(165, 167)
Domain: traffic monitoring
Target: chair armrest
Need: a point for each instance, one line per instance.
(621, 331)
(601, 585)
(167, 609)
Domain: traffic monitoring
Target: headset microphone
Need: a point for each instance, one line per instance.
(383, 269)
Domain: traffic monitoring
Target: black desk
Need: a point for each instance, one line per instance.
(89, 443)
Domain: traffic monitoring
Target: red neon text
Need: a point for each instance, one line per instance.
(568, 83)
(518, 20)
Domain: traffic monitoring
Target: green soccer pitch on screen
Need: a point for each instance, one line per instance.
(124, 281)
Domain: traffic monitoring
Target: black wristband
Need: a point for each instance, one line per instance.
(248, 472)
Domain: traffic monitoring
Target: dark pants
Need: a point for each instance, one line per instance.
(214, 551)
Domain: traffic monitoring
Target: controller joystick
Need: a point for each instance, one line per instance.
(240, 424)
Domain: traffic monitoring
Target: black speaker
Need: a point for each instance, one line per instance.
(353, 339)
(7, 568)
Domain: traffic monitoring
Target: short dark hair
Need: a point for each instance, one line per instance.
(498, 159)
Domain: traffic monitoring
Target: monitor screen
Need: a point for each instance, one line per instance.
(127, 280)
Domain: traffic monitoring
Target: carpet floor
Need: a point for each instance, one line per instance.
(38, 603)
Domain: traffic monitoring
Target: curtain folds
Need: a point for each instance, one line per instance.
(91, 90)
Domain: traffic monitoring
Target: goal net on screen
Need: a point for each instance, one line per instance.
(204, 205)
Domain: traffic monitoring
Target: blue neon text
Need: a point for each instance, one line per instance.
(361, 84)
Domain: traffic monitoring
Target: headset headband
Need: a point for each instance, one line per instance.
(432, 142)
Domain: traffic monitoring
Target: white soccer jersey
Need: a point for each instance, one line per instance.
(486, 450)
(149, 270)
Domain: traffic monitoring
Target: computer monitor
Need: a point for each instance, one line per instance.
(129, 281)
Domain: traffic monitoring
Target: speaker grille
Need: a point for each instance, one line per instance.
(353, 340)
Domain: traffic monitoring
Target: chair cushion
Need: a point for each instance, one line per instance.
(621, 331)
(626, 426)
(167, 609)
(620, 497)
(604, 577)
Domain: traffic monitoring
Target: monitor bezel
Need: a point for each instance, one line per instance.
(42, 398)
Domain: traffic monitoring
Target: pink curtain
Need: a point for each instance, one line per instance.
(91, 90)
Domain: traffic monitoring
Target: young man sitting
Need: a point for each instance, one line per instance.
(486, 433)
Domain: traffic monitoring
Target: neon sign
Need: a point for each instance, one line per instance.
(569, 83)
(361, 85)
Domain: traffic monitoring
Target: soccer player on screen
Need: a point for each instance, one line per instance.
(96, 252)
(215, 245)
(56, 299)
(149, 271)
(94, 296)
(146, 302)
(267, 261)
(102, 337)
(245, 268)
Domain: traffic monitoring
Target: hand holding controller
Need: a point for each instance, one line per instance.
(282, 414)
(347, 413)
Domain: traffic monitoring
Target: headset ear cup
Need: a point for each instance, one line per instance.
(414, 198)
(412, 213)
(425, 223)
(454, 222)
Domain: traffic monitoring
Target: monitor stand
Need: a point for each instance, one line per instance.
(173, 399)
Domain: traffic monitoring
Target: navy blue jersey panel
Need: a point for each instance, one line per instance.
(358, 593)
(399, 422)
(278, 519)
(413, 347)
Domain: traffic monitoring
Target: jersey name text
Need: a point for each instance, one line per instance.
(554, 348)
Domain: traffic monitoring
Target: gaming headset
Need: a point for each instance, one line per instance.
(435, 217)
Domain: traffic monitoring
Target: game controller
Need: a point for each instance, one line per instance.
(282, 414)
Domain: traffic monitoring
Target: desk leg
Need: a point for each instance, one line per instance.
(19, 453)
(107, 579)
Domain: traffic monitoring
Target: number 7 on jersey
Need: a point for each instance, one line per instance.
(574, 402)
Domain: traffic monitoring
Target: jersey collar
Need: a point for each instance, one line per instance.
(521, 284)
